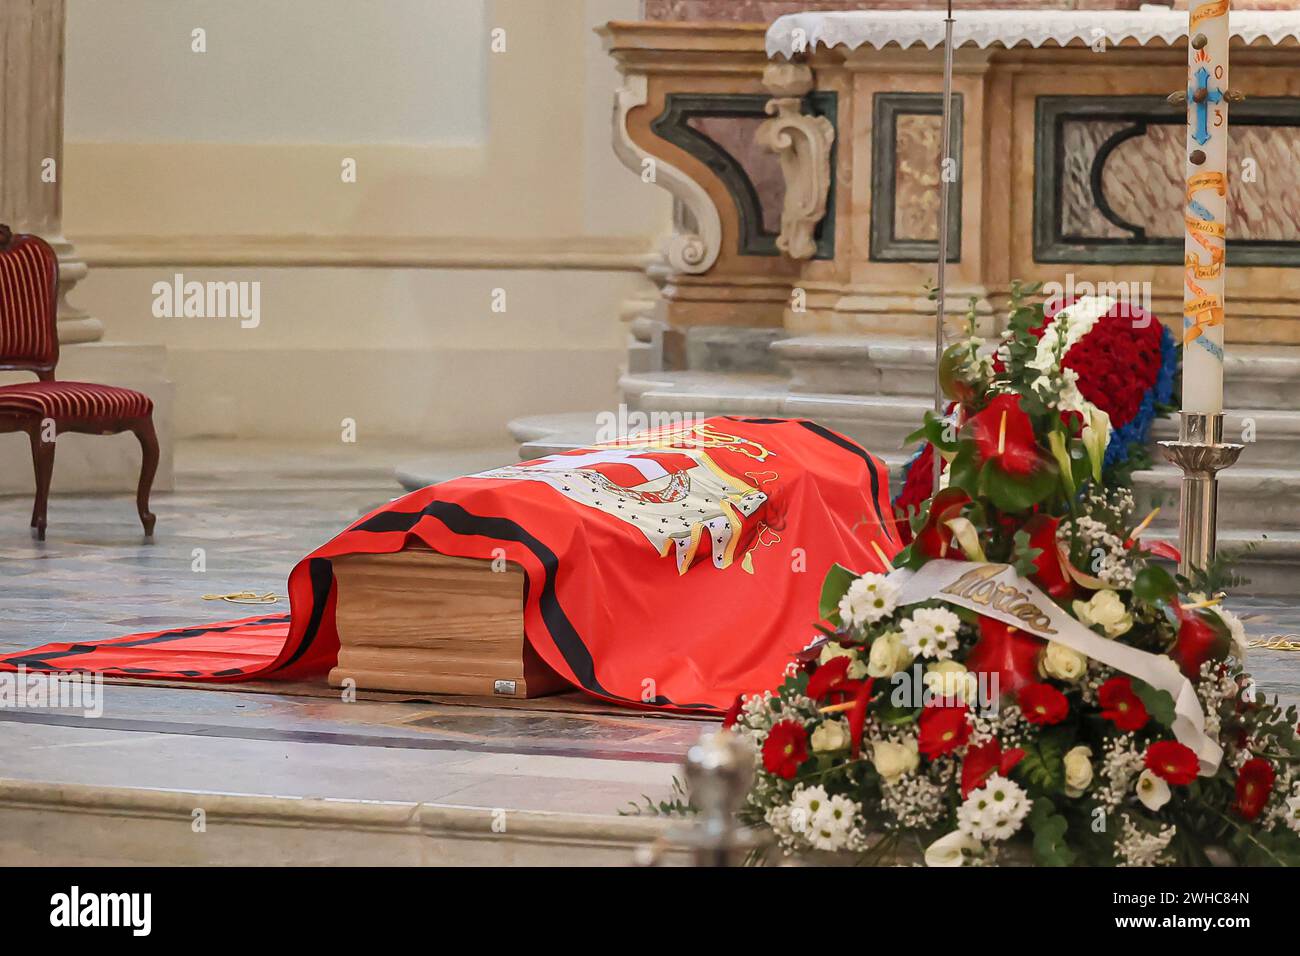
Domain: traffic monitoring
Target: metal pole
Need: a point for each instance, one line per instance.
(941, 284)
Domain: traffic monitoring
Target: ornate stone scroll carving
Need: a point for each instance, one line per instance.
(803, 144)
(690, 250)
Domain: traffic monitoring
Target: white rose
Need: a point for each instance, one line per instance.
(1078, 770)
(892, 760)
(830, 735)
(1105, 610)
(831, 650)
(950, 681)
(887, 655)
(1062, 662)
(955, 849)
(1152, 791)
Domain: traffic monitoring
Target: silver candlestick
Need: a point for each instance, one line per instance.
(1201, 453)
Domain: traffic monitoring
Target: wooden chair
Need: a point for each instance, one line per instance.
(29, 280)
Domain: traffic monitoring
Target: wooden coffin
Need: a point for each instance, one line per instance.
(420, 621)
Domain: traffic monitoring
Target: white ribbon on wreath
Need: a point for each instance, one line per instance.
(998, 592)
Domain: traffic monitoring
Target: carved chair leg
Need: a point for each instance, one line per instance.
(43, 464)
(144, 431)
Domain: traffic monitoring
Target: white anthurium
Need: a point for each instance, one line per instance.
(955, 849)
(967, 537)
(1096, 436)
(1152, 791)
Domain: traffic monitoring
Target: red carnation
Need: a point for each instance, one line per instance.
(983, 761)
(1120, 705)
(1004, 433)
(785, 748)
(1172, 762)
(942, 730)
(1043, 704)
(1254, 785)
(733, 712)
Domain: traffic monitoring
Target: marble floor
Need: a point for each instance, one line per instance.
(249, 512)
(241, 516)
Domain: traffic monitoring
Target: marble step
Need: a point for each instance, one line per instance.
(61, 824)
(1271, 436)
(1249, 497)
(1256, 376)
(880, 422)
(1268, 560)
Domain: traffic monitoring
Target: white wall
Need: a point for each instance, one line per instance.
(277, 71)
(476, 171)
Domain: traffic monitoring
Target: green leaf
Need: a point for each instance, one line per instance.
(1018, 492)
(1043, 766)
(1159, 703)
(1049, 829)
(1023, 555)
(1155, 585)
(937, 431)
(964, 470)
(834, 587)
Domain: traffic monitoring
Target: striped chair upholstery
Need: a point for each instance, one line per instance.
(29, 341)
(28, 298)
(73, 401)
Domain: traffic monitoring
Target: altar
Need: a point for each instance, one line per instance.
(803, 158)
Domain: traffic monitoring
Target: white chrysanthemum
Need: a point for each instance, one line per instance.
(931, 632)
(823, 822)
(805, 804)
(833, 825)
(868, 599)
(994, 811)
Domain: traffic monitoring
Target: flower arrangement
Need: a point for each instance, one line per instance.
(967, 726)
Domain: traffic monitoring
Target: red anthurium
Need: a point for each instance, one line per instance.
(831, 679)
(858, 714)
(1120, 705)
(733, 712)
(1043, 704)
(983, 761)
(1003, 433)
(1171, 761)
(1050, 572)
(941, 730)
(1254, 785)
(1008, 652)
(935, 539)
(1161, 549)
(1202, 636)
(785, 748)
(827, 677)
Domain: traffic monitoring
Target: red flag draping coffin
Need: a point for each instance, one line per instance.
(672, 569)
